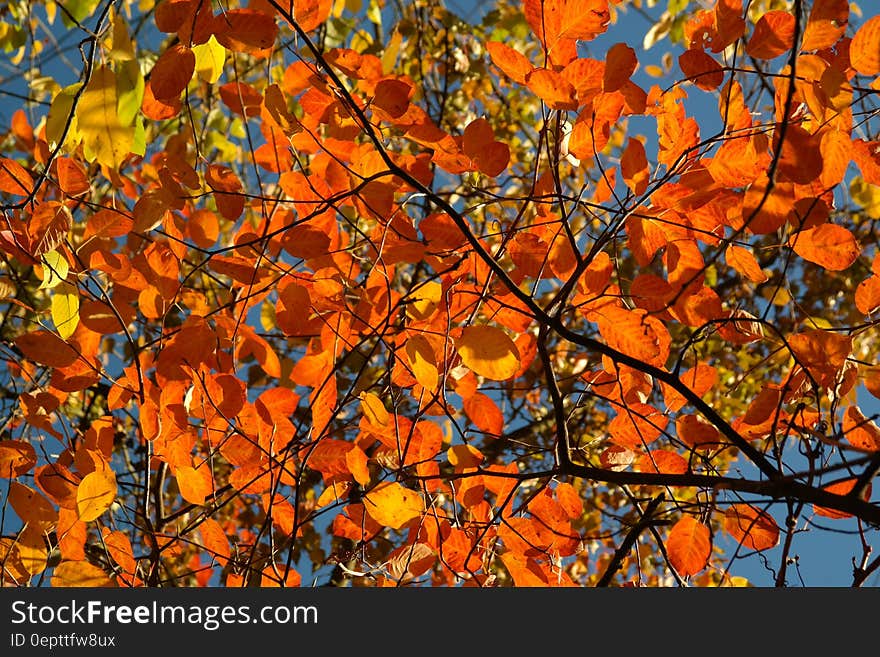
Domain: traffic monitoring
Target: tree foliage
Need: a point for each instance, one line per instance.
(379, 294)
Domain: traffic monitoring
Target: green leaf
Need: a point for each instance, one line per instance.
(78, 9)
(65, 309)
(130, 91)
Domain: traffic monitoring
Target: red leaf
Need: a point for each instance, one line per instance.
(701, 69)
(620, 64)
(392, 96)
(245, 30)
(172, 72)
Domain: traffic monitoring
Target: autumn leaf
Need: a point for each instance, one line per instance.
(80, 574)
(688, 546)
(95, 494)
(829, 245)
(752, 528)
(488, 351)
(392, 505)
(105, 139)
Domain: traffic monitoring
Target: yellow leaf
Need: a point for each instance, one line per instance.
(336, 491)
(389, 57)
(488, 351)
(55, 269)
(422, 361)
(65, 309)
(392, 505)
(95, 494)
(210, 58)
(373, 409)
(59, 119)
(32, 550)
(464, 456)
(105, 139)
(122, 47)
(79, 573)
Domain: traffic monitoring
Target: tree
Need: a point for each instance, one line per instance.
(368, 294)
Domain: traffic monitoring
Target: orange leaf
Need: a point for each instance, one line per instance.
(634, 167)
(72, 178)
(695, 432)
(701, 69)
(485, 414)
(357, 462)
(553, 89)
(159, 109)
(172, 72)
(864, 51)
(79, 574)
(120, 550)
(16, 458)
(751, 527)
(860, 431)
(423, 362)
(46, 348)
(31, 506)
(311, 14)
(214, 540)
(14, 179)
(511, 62)
(374, 410)
(584, 19)
(569, 500)
(478, 142)
(95, 494)
(689, 546)
(829, 245)
(662, 461)
(462, 457)
(241, 98)
(392, 505)
(620, 64)
(773, 35)
(195, 484)
(745, 263)
(637, 425)
(827, 23)
(844, 487)
(868, 295)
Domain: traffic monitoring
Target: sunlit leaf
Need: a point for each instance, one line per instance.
(689, 546)
(488, 351)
